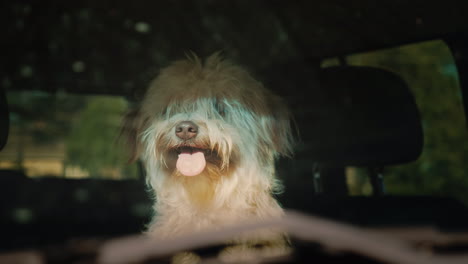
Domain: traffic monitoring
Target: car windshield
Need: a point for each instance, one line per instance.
(352, 112)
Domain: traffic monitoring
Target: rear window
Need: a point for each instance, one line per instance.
(66, 135)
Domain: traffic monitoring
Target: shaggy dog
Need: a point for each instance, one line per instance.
(208, 134)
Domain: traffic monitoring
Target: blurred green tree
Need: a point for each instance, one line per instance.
(41, 116)
(92, 142)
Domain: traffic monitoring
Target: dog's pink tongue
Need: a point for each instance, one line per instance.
(191, 164)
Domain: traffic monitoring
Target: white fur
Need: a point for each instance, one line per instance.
(244, 123)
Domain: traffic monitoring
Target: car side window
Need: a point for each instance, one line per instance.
(431, 74)
(66, 135)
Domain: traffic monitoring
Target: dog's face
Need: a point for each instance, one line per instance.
(208, 120)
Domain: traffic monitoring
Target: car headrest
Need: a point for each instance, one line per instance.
(361, 116)
(4, 119)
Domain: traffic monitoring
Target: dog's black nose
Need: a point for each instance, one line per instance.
(186, 130)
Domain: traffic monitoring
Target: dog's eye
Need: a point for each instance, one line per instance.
(220, 108)
(164, 111)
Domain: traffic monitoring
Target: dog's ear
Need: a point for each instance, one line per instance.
(281, 132)
(132, 124)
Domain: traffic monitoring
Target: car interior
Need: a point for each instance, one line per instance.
(378, 92)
